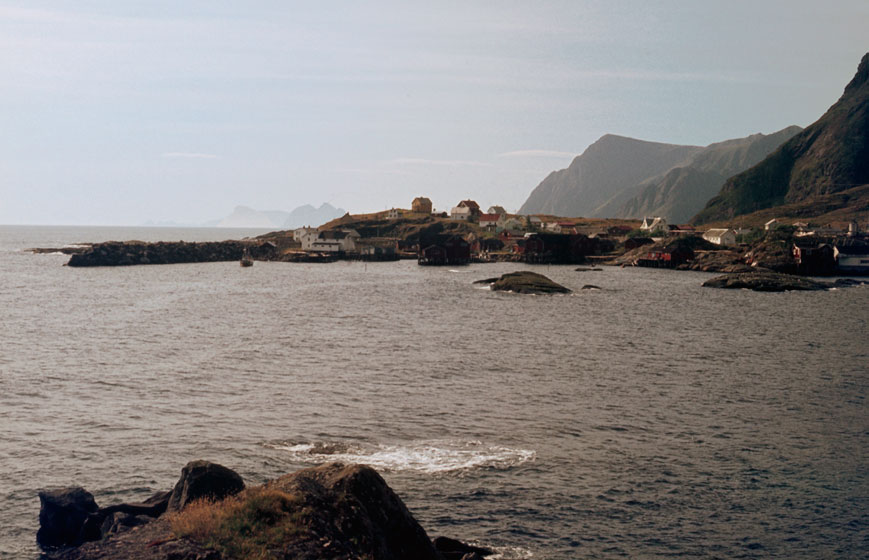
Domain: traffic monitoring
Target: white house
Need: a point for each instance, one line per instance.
(490, 221)
(721, 236)
(535, 221)
(393, 214)
(461, 213)
(302, 231)
(496, 210)
(655, 224)
(331, 241)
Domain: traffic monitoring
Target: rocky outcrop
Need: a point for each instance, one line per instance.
(66, 517)
(350, 512)
(71, 517)
(829, 156)
(334, 511)
(127, 253)
(525, 282)
(204, 480)
(766, 281)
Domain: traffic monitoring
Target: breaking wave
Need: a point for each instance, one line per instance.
(425, 457)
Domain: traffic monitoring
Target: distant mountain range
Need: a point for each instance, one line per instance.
(307, 215)
(245, 217)
(619, 177)
(830, 156)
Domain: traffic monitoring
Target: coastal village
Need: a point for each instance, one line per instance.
(466, 234)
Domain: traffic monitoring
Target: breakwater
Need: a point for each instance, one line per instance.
(127, 253)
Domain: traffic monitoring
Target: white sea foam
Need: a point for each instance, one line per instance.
(426, 457)
(510, 553)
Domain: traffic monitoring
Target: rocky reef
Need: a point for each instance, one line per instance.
(765, 281)
(525, 282)
(334, 511)
(126, 253)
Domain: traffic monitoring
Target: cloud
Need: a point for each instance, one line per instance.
(537, 154)
(189, 155)
(439, 162)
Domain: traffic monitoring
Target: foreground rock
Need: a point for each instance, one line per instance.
(765, 282)
(127, 253)
(65, 517)
(70, 516)
(334, 511)
(525, 282)
(203, 479)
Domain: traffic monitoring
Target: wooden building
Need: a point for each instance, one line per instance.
(444, 250)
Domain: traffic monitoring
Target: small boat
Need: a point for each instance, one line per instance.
(245, 259)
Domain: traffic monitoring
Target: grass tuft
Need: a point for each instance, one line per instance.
(244, 526)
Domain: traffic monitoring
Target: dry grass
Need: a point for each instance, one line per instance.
(244, 526)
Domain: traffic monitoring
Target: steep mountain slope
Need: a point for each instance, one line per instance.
(681, 192)
(829, 156)
(608, 168)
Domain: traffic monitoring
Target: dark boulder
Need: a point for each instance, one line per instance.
(350, 512)
(525, 282)
(203, 479)
(66, 517)
(451, 549)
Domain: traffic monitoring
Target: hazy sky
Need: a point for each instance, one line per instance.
(120, 112)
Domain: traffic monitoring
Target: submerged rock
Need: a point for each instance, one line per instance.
(525, 282)
(765, 282)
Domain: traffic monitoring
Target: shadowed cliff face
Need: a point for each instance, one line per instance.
(830, 156)
(606, 169)
(682, 191)
(620, 177)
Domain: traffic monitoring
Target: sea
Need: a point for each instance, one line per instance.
(649, 418)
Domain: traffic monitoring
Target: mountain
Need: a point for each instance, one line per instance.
(829, 156)
(681, 192)
(307, 215)
(244, 217)
(603, 174)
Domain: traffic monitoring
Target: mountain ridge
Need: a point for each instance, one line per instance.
(831, 155)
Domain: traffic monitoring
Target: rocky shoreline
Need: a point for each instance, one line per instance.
(333, 511)
(127, 253)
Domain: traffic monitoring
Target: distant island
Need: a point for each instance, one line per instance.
(246, 217)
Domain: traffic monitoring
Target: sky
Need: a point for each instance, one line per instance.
(121, 112)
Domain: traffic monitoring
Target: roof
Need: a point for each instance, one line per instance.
(469, 204)
(717, 232)
(497, 210)
(489, 217)
(422, 199)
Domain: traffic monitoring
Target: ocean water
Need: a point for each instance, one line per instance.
(651, 418)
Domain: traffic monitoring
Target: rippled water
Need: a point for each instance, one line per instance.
(652, 418)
